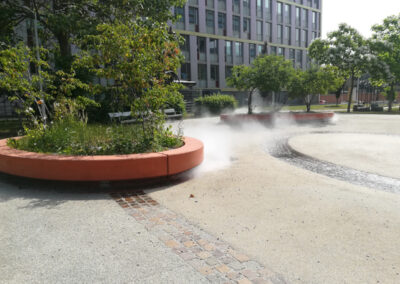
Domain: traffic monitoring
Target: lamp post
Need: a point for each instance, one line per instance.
(42, 106)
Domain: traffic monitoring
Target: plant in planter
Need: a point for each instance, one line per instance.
(215, 104)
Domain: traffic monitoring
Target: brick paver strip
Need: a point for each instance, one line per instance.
(216, 260)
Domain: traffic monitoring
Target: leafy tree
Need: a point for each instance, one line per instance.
(315, 80)
(269, 73)
(385, 44)
(345, 49)
(134, 58)
(68, 20)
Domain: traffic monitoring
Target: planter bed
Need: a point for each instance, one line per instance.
(270, 117)
(101, 168)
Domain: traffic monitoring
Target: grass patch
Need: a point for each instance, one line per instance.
(77, 138)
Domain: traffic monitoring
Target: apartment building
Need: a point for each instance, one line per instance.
(222, 33)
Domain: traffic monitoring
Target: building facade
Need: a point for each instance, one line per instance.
(222, 33)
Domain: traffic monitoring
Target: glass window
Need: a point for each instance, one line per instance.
(314, 20)
(288, 35)
(214, 76)
(222, 5)
(180, 23)
(252, 52)
(210, 22)
(298, 31)
(210, 4)
(304, 38)
(246, 7)
(305, 18)
(194, 2)
(316, 4)
(268, 32)
(309, 3)
(299, 58)
(228, 71)
(213, 50)
(273, 50)
(246, 27)
(185, 47)
(260, 49)
(268, 9)
(236, 6)
(193, 19)
(185, 71)
(239, 52)
(298, 23)
(228, 52)
(279, 14)
(259, 9)
(314, 35)
(259, 30)
(288, 14)
(201, 49)
(292, 56)
(236, 26)
(202, 75)
(279, 33)
(281, 51)
(222, 24)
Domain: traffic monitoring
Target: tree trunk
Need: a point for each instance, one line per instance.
(249, 102)
(391, 97)
(65, 59)
(351, 92)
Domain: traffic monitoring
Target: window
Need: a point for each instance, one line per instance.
(273, 50)
(313, 35)
(214, 76)
(228, 71)
(202, 75)
(292, 56)
(298, 31)
(239, 52)
(236, 26)
(268, 32)
(185, 47)
(252, 52)
(314, 20)
(213, 50)
(281, 51)
(185, 71)
(288, 14)
(222, 24)
(316, 4)
(193, 19)
(201, 49)
(309, 3)
(304, 38)
(222, 5)
(279, 15)
(259, 9)
(180, 24)
(268, 10)
(228, 52)
(210, 4)
(210, 22)
(279, 33)
(288, 36)
(299, 58)
(194, 2)
(305, 18)
(259, 30)
(236, 6)
(246, 7)
(298, 23)
(260, 49)
(246, 27)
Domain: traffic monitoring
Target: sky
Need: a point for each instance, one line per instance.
(360, 14)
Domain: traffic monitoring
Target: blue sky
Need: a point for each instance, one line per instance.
(360, 14)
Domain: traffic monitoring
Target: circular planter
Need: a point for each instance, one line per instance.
(270, 117)
(101, 168)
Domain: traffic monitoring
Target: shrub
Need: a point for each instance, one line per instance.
(73, 137)
(215, 104)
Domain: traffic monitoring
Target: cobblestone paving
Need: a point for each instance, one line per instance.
(213, 258)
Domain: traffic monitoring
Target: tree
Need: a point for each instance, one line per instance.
(315, 80)
(134, 57)
(269, 73)
(345, 49)
(385, 44)
(68, 20)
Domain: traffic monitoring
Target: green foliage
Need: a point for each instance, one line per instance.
(216, 104)
(385, 45)
(315, 80)
(74, 137)
(269, 73)
(345, 49)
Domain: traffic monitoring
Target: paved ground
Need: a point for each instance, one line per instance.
(243, 215)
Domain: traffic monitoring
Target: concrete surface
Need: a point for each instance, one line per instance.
(379, 154)
(305, 226)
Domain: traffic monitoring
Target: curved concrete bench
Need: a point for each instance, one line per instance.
(269, 117)
(97, 168)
